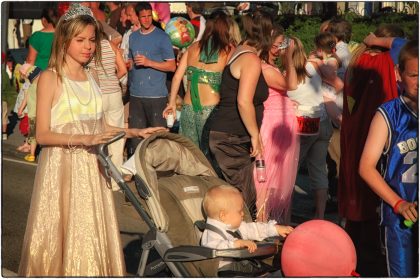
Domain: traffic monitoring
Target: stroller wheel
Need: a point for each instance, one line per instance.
(155, 266)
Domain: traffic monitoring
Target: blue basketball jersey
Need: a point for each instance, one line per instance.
(401, 171)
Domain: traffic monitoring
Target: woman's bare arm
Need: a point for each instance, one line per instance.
(32, 54)
(249, 66)
(176, 83)
(119, 62)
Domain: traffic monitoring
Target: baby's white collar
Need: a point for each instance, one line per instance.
(219, 224)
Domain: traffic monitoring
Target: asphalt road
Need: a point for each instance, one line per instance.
(17, 182)
(17, 186)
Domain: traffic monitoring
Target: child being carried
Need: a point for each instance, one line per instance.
(328, 63)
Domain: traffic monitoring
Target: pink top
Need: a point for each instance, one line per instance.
(277, 99)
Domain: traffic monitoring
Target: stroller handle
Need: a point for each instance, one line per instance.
(113, 172)
(105, 160)
(101, 147)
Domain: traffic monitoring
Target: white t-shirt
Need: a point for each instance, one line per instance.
(124, 42)
(202, 27)
(344, 54)
(310, 92)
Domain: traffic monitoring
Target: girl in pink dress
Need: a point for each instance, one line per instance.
(278, 134)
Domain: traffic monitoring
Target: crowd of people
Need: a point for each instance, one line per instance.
(242, 90)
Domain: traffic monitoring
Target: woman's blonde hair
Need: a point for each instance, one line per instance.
(299, 60)
(234, 32)
(65, 31)
(383, 31)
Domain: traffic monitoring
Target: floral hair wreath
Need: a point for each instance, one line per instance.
(77, 10)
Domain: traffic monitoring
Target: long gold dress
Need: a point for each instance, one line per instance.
(72, 228)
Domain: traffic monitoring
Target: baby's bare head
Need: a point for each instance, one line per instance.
(218, 198)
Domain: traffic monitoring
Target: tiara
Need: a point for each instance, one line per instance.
(77, 10)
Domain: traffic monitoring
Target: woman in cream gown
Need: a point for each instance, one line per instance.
(72, 228)
(72, 223)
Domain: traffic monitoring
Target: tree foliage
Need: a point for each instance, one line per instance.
(306, 27)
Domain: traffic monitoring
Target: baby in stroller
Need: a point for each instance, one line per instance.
(172, 176)
(225, 228)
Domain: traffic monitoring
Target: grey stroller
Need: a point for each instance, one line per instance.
(172, 177)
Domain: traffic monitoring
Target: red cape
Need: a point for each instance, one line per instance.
(373, 83)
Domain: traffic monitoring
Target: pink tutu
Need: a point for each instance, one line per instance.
(281, 154)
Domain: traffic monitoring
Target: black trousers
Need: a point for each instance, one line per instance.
(366, 236)
(144, 113)
(232, 155)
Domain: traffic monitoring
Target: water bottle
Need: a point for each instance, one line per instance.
(260, 165)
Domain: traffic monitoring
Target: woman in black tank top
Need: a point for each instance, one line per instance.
(234, 126)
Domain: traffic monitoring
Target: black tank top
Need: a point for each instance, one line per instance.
(226, 117)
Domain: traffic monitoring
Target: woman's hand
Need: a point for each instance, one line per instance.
(257, 146)
(146, 132)
(90, 140)
(290, 49)
(170, 108)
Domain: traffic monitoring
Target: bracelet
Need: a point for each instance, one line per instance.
(70, 144)
(396, 205)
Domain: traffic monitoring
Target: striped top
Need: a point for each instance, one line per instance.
(108, 79)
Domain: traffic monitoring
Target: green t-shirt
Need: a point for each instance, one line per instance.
(42, 43)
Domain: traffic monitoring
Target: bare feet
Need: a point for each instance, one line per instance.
(25, 148)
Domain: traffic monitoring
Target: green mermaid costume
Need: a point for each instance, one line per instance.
(193, 117)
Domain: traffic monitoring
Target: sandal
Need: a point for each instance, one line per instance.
(29, 158)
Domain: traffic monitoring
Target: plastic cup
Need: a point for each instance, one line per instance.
(170, 120)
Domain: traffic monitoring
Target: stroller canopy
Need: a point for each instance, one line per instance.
(169, 154)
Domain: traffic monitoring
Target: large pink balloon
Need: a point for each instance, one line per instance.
(318, 248)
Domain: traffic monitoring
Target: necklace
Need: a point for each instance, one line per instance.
(82, 131)
(69, 81)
